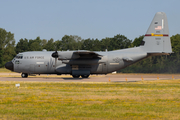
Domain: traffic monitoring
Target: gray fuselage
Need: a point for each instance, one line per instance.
(42, 62)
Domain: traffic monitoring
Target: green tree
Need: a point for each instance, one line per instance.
(7, 46)
(91, 44)
(87, 44)
(175, 57)
(96, 45)
(50, 45)
(71, 42)
(1, 57)
(119, 42)
(58, 45)
(43, 43)
(105, 43)
(137, 41)
(35, 45)
(22, 46)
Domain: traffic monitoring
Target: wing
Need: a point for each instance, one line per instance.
(87, 54)
(78, 58)
(70, 55)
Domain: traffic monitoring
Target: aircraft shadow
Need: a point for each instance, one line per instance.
(75, 78)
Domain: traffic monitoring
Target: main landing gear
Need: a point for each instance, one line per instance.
(83, 76)
(24, 75)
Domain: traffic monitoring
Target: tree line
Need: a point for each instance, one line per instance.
(154, 64)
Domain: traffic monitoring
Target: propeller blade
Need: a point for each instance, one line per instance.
(55, 62)
(55, 55)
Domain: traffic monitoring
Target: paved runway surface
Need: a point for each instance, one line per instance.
(93, 78)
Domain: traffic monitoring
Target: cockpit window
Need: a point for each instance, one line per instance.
(19, 56)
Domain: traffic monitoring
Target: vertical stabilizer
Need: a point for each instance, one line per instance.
(156, 39)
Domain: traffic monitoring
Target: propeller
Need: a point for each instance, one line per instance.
(55, 55)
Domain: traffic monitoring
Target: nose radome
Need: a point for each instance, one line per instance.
(9, 66)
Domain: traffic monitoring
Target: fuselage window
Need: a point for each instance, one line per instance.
(17, 62)
(19, 56)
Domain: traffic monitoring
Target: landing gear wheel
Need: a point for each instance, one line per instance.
(24, 75)
(84, 76)
(76, 76)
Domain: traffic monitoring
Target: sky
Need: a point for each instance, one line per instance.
(85, 18)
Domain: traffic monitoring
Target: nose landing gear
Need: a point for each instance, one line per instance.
(24, 75)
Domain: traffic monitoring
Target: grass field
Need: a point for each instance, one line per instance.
(4, 70)
(101, 101)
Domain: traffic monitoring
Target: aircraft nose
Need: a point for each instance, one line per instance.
(9, 66)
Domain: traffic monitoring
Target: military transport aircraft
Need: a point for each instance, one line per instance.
(83, 63)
